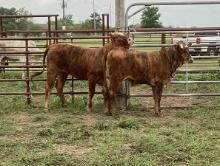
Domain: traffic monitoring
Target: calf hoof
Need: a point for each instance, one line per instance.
(158, 114)
(108, 113)
(46, 110)
(89, 110)
(64, 105)
(116, 116)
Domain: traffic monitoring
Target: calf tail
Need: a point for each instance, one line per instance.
(39, 73)
(107, 75)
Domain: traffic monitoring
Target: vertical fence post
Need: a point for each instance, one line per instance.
(163, 38)
(1, 27)
(49, 29)
(186, 68)
(28, 90)
(72, 90)
(107, 15)
(103, 29)
(56, 28)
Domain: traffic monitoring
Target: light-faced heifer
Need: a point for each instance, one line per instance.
(81, 62)
(153, 68)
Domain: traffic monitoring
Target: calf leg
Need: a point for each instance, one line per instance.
(49, 85)
(92, 85)
(59, 86)
(112, 102)
(160, 91)
(157, 93)
(106, 101)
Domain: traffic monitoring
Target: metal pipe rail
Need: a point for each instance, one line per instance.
(25, 16)
(21, 52)
(63, 31)
(188, 70)
(42, 93)
(176, 95)
(168, 31)
(173, 32)
(164, 3)
(167, 45)
(199, 29)
(194, 82)
(180, 70)
(56, 38)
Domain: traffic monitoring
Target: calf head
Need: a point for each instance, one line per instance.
(120, 40)
(182, 50)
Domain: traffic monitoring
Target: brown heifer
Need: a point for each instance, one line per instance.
(82, 63)
(153, 68)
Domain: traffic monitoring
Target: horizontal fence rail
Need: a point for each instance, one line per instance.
(142, 42)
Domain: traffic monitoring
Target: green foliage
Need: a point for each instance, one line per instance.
(15, 24)
(102, 125)
(67, 21)
(150, 17)
(128, 124)
(89, 23)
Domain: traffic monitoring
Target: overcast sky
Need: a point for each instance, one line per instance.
(181, 16)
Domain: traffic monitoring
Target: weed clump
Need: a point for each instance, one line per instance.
(129, 124)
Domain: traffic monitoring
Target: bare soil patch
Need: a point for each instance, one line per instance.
(88, 119)
(22, 137)
(71, 150)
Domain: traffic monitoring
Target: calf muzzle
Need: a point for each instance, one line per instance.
(190, 60)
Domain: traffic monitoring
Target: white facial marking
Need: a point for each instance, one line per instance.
(181, 45)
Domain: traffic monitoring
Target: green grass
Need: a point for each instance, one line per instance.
(186, 135)
(68, 137)
(82, 42)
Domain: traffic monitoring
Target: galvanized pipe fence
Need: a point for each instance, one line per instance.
(162, 33)
(146, 45)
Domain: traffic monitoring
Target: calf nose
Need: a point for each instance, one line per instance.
(191, 60)
(130, 41)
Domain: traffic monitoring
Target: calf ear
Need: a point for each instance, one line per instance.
(126, 34)
(112, 36)
(189, 44)
(177, 47)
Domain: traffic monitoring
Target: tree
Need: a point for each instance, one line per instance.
(8, 23)
(89, 23)
(150, 18)
(13, 24)
(97, 19)
(22, 23)
(67, 21)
